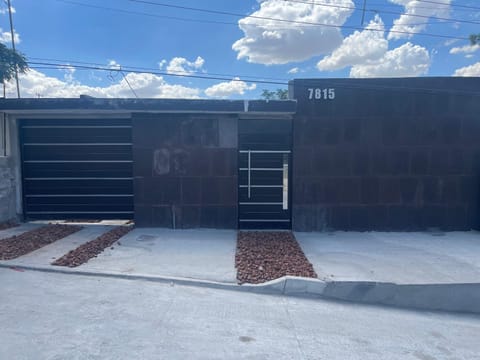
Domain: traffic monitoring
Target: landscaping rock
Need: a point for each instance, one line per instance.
(15, 246)
(91, 249)
(267, 255)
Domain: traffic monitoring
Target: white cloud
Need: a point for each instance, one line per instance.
(405, 61)
(294, 70)
(358, 48)
(35, 84)
(226, 89)
(273, 42)
(467, 49)
(162, 64)
(182, 66)
(450, 42)
(112, 64)
(6, 37)
(69, 71)
(411, 24)
(472, 70)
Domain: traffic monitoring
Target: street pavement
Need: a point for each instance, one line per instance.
(59, 316)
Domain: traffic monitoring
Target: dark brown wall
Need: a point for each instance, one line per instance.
(390, 154)
(185, 169)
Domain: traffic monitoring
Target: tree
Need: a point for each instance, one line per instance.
(279, 94)
(475, 39)
(11, 61)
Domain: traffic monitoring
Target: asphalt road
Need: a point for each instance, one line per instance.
(55, 316)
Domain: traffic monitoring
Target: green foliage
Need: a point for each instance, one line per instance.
(475, 39)
(9, 61)
(279, 94)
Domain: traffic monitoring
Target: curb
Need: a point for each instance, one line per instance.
(463, 298)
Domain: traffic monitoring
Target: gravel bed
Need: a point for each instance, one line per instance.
(15, 246)
(266, 255)
(91, 249)
(8, 224)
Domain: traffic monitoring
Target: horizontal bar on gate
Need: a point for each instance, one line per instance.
(79, 212)
(265, 151)
(75, 127)
(77, 144)
(260, 203)
(78, 195)
(261, 169)
(261, 186)
(77, 178)
(78, 161)
(263, 220)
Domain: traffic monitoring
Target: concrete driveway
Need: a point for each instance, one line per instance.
(402, 258)
(198, 254)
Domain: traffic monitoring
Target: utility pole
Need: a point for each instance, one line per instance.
(13, 44)
(363, 12)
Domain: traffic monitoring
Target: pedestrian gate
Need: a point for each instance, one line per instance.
(264, 173)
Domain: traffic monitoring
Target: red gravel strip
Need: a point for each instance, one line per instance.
(15, 246)
(8, 224)
(91, 249)
(266, 255)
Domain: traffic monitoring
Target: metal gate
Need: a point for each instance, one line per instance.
(264, 173)
(77, 168)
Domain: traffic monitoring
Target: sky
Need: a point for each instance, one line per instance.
(231, 49)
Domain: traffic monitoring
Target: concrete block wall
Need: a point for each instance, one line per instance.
(185, 170)
(9, 175)
(7, 190)
(387, 154)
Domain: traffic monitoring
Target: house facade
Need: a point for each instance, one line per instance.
(341, 154)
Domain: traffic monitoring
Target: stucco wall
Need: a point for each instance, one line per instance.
(185, 170)
(386, 154)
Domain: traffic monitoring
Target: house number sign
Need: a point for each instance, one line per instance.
(321, 94)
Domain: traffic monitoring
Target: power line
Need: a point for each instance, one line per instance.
(103, 68)
(218, 12)
(380, 11)
(371, 86)
(146, 14)
(128, 83)
(139, 68)
(303, 23)
(454, 4)
(383, 5)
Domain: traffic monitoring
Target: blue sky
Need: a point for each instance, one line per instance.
(124, 34)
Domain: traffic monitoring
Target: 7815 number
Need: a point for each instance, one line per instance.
(321, 94)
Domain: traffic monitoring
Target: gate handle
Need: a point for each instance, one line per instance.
(285, 182)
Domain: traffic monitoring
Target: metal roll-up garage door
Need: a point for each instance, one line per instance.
(77, 168)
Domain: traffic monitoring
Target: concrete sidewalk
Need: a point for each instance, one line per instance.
(400, 258)
(432, 271)
(194, 254)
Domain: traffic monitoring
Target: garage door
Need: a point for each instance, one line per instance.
(77, 168)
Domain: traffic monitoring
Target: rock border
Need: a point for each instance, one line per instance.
(263, 256)
(93, 248)
(18, 245)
